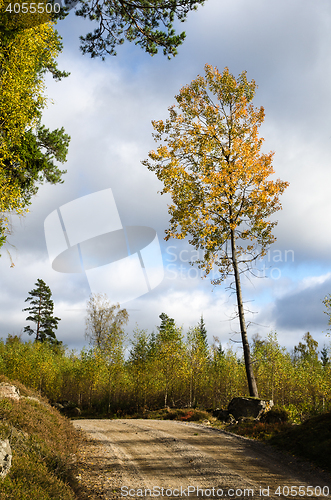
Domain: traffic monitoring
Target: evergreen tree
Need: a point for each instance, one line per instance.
(140, 347)
(198, 358)
(325, 360)
(152, 345)
(167, 329)
(139, 364)
(203, 332)
(28, 150)
(150, 24)
(170, 355)
(41, 312)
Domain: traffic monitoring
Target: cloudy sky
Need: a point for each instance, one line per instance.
(107, 108)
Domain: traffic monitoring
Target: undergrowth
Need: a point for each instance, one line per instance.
(43, 443)
(182, 414)
(310, 440)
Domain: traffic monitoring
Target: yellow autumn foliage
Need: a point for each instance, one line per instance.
(24, 57)
(210, 161)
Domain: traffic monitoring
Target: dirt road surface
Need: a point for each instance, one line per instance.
(170, 459)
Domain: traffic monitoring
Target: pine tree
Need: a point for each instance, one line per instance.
(325, 360)
(150, 24)
(203, 332)
(41, 312)
(167, 329)
(169, 352)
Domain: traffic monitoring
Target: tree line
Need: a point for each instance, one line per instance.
(115, 375)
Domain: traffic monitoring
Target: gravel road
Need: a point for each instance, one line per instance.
(162, 458)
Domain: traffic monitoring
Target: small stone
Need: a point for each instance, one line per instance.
(5, 458)
(231, 420)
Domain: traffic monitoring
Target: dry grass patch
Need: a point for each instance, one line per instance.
(44, 445)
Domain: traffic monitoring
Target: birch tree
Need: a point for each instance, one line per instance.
(105, 325)
(105, 329)
(28, 150)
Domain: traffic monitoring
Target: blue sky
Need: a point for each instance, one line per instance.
(107, 108)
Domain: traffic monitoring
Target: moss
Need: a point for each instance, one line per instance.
(310, 440)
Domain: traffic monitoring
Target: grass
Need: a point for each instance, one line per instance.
(44, 446)
(182, 414)
(310, 440)
(258, 430)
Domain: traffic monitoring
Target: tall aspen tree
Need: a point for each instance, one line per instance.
(210, 162)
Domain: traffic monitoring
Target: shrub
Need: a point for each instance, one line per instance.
(275, 415)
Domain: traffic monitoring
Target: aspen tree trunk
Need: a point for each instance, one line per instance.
(191, 388)
(247, 354)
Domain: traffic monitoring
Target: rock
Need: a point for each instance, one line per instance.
(249, 407)
(221, 415)
(5, 458)
(12, 392)
(58, 406)
(9, 391)
(31, 398)
(231, 420)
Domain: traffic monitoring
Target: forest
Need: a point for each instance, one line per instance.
(117, 377)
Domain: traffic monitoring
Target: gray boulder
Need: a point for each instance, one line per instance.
(9, 391)
(249, 407)
(12, 392)
(5, 458)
